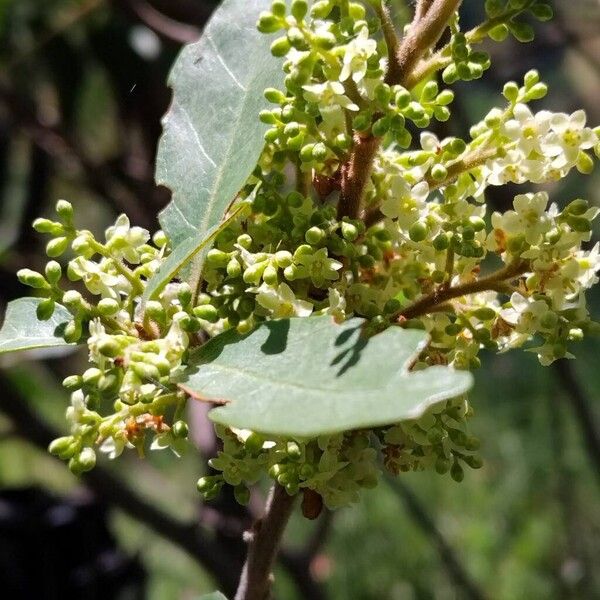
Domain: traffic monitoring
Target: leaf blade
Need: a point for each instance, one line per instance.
(212, 137)
(22, 330)
(307, 377)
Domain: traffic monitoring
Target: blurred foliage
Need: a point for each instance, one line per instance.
(82, 90)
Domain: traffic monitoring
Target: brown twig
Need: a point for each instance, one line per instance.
(265, 539)
(443, 294)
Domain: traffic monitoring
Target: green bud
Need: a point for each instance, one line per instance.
(474, 462)
(319, 151)
(180, 429)
(580, 224)
(57, 246)
(383, 94)
(184, 294)
(325, 40)
(306, 154)
(280, 47)
(64, 210)
(441, 242)
(73, 300)
(314, 236)
(206, 312)
(109, 347)
(439, 172)
(542, 12)
(254, 443)
(283, 259)
(294, 451)
(441, 113)
(442, 465)
(392, 306)
(234, 269)
(521, 31)
(91, 376)
(275, 96)
(537, 92)
(418, 231)
(380, 127)
(53, 271)
(160, 239)
(254, 273)
(299, 9)
(498, 33)
(484, 313)
(45, 309)
(585, 163)
(456, 472)
(81, 246)
(72, 332)
(349, 231)
(268, 22)
(577, 207)
(291, 272)
(270, 275)
(108, 307)
(321, 9)
(494, 8)
(356, 11)
(32, 279)
(403, 98)
(361, 122)
(47, 226)
(217, 258)
(450, 74)
(60, 445)
(445, 97)
(241, 494)
(430, 91)
(72, 383)
(278, 8)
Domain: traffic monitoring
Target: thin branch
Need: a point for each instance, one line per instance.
(265, 539)
(455, 569)
(422, 7)
(390, 35)
(582, 406)
(422, 35)
(164, 26)
(443, 294)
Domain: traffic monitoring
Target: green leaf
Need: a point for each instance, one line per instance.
(23, 331)
(183, 254)
(212, 135)
(307, 377)
(213, 596)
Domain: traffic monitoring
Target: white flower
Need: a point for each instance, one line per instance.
(589, 265)
(529, 217)
(528, 129)
(430, 142)
(99, 278)
(526, 314)
(331, 99)
(113, 446)
(282, 302)
(569, 135)
(124, 241)
(405, 203)
(356, 54)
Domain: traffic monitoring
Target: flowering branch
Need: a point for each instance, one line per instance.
(442, 294)
(423, 34)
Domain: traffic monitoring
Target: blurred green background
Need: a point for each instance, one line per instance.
(82, 90)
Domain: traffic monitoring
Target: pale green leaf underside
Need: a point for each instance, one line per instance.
(212, 136)
(306, 377)
(23, 331)
(194, 248)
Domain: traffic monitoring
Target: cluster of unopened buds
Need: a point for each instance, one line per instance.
(426, 253)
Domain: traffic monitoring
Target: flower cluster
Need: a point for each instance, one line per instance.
(422, 251)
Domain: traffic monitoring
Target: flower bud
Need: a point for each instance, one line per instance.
(72, 383)
(321, 9)
(32, 279)
(537, 92)
(47, 226)
(53, 271)
(206, 312)
(60, 445)
(72, 332)
(180, 429)
(57, 246)
(511, 91)
(280, 47)
(45, 309)
(456, 472)
(418, 231)
(64, 210)
(268, 22)
(430, 91)
(73, 300)
(217, 258)
(108, 307)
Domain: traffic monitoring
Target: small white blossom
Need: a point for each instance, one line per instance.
(282, 302)
(356, 55)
